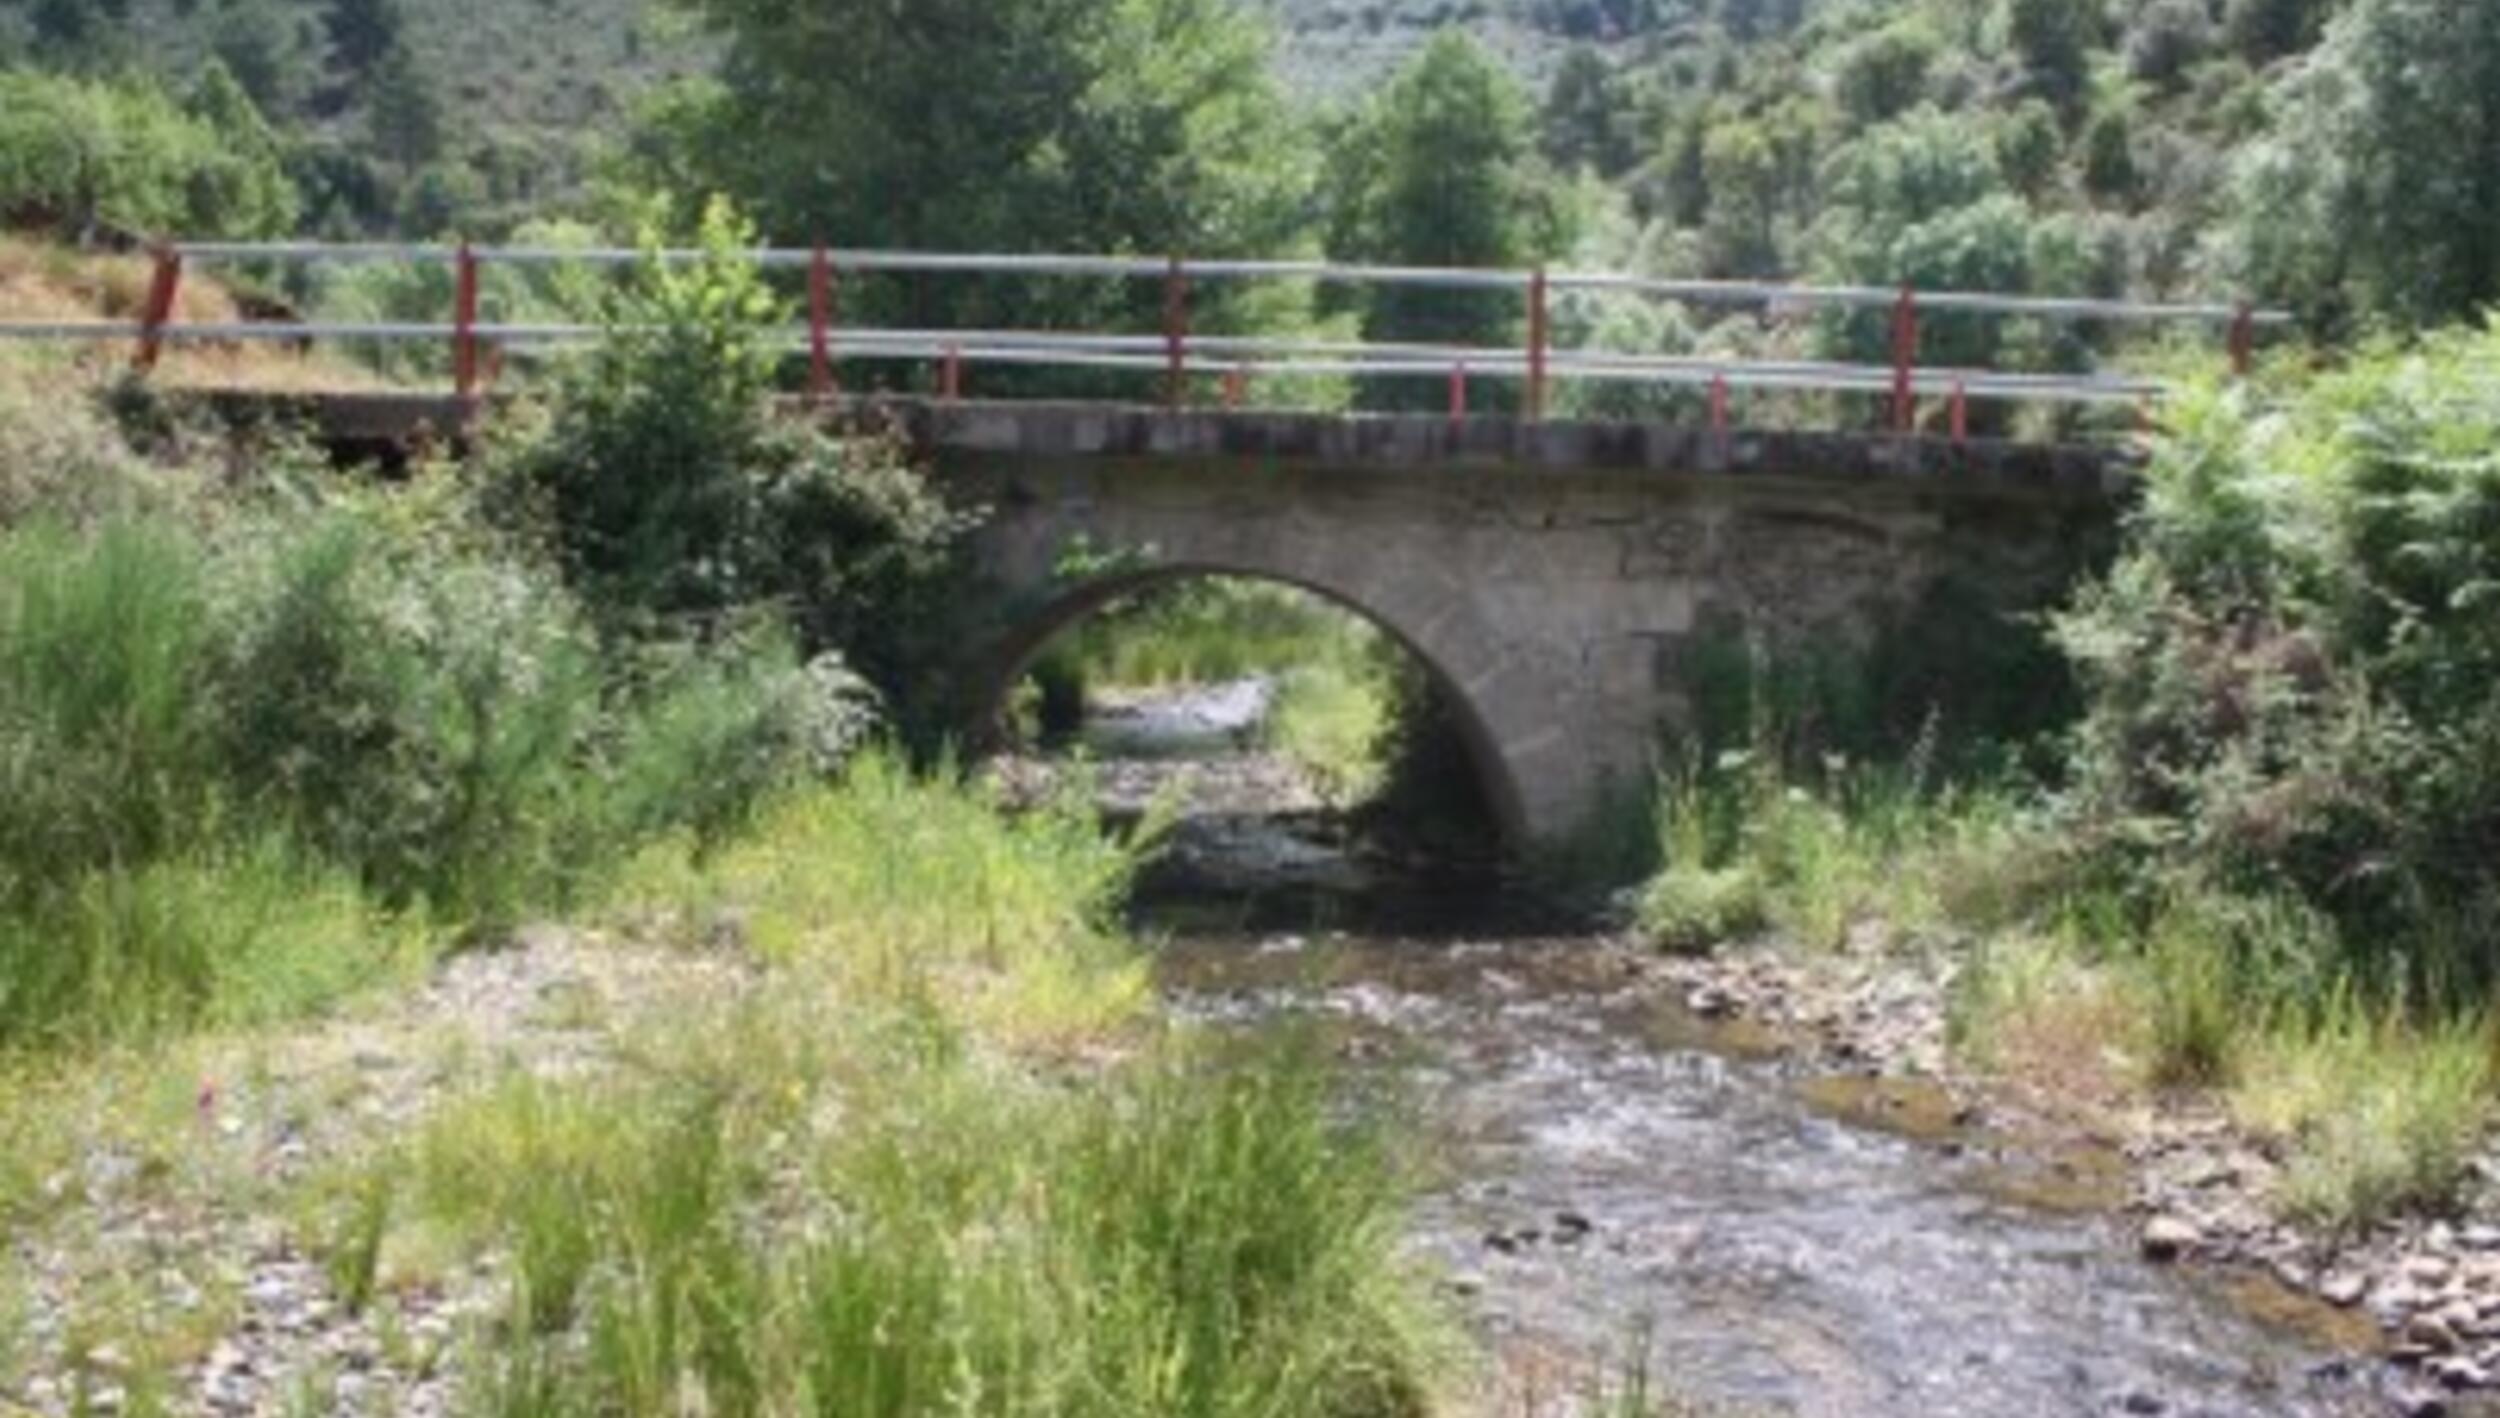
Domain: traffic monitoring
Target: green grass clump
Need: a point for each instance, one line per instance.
(239, 748)
(1688, 909)
(2377, 1114)
(859, 1184)
(229, 938)
(1332, 718)
(904, 890)
(1184, 1236)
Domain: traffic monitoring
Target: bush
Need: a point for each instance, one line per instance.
(1688, 909)
(676, 499)
(200, 714)
(75, 153)
(2293, 676)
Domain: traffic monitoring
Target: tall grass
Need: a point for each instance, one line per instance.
(881, 1181)
(900, 890)
(350, 704)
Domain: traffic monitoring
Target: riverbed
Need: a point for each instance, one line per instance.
(1617, 1187)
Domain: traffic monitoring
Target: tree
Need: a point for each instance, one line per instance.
(2055, 39)
(77, 154)
(1142, 125)
(2263, 30)
(1436, 172)
(1581, 126)
(2109, 168)
(2381, 192)
(404, 114)
(1921, 202)
(1884, 74)
(240, 186)
(362, 32)
(261, 45)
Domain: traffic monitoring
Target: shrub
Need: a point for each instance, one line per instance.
(200, 714)
(1689, 909)
(77, 152)
(2291, 673)
(676, 499)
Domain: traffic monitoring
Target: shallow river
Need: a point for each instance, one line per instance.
(1621, 1185)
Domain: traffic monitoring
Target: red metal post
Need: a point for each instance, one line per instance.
(1175, 334)
(951, 374)
(2243, 341)
(162, 288)
(820, 318)
(1718, 403)
(1961, 413)
(1905, 361)
(1458, 391)
(1538, 332)
(464, 322)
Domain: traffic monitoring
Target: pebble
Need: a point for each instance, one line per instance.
(2432, 1332)
(2344, 1288)
(2428, 1271)
(2461, 1373)
(2166, 1238)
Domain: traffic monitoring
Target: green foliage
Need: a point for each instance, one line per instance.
(2290, 673)
(243, 734)
(1583, 122)
(866, 1181)
(1689, 909)
(75, 153)
(676, 499)
(1884, 75)
(261, 43)
(1068, 125)
(2377, 194)
(1923, 202)
(1436, 171)
(2055, 39)
(364, 32)
(404, 117)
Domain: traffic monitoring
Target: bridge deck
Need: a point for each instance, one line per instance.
(379, 422)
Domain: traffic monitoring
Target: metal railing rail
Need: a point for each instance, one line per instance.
(1179, 353)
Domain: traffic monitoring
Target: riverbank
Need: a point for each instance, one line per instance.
(2419, 1291)
(868, 1109)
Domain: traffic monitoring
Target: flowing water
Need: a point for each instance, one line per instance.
(1622, 1187)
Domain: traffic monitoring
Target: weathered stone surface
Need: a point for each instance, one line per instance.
(1555, 577)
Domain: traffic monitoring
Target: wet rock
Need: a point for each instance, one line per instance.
(2167, 1238)
(2459, 1373)
(2428, 1271)
(1571, 1228)
(2432, 1332)
(1711, 1002)
(2422, 1403)
(2144, 1404)
(1501, 1241)
(2343, 1287)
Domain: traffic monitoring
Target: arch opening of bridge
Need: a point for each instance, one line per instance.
(1048, 619)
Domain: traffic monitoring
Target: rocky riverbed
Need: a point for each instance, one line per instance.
(2420, 1295)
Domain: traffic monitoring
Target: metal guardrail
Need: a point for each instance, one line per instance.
(1179, 353)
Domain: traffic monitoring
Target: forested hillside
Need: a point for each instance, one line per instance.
(2330, 153)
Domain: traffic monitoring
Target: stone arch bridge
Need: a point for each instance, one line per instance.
(1550, 576)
